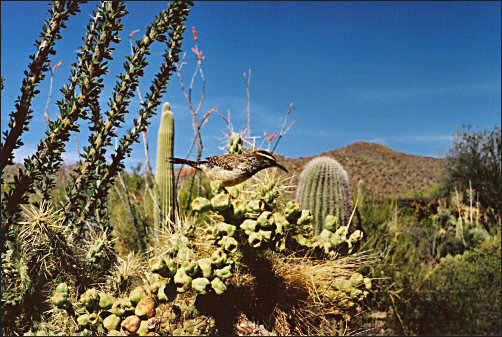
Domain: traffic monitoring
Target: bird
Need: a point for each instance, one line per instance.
(232, 169)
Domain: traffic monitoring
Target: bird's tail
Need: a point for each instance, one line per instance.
(191, 163)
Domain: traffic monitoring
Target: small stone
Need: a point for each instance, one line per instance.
(131, 324)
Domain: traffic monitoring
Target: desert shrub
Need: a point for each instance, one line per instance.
(475, 159)
(462, 295)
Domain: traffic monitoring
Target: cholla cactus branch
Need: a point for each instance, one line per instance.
(20, 118)
(177, 14)
(285, 128)
(86, 73)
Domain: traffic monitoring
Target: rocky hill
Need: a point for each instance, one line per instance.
(383, 170)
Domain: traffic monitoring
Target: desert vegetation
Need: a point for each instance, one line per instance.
(327, 248)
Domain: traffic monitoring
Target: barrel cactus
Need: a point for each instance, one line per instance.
(164, 175)
(323, 188)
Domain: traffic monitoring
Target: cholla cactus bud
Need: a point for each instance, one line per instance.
(83, 320)
(356, 236)
(170, 266)
(111, 322)
(220, 202)
(90, 297)
(216, 187)
(305, 218)
(239, 207)
(205, 266)
(255, 240)
(143, 329)
(249, 226)
(137, 294)
(145, 307)
(331, 223)
(105, 300)
(200, 285)
(156, 281)
(191, 268)
(265, 219)
(367, 283)
(292, 211)
(280, 223)
(94, 319)
(218, 286)
(235, 143)
(224, 229)
(201, 204)
(219, 257)
(356, 279)
(60, 297)
(255, 206)
(266, 235)
(114, 333)
(182, 280)
(229, 244)
(224, 273)
(121, 306)
(158, 265)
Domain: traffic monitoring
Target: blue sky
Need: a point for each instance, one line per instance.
(404, 74)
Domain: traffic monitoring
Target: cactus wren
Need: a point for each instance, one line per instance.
(233, 169)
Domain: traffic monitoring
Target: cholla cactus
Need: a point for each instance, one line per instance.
(235, 143)
(324, 189)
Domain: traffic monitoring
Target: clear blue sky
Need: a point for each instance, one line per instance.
(404, 74)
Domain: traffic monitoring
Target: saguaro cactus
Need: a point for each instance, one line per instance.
(164, 175)
(323, 188)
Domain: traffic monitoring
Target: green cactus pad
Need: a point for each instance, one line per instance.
(224, 273)
(182, 280)
(325, 236)
(111, 322)
(59, 300)
(266, 235)
(229, 244)
(239, 207)
(280, 223)
(219, 257)
(224, 229)
(220, 202)
(292, 211)
(255, 206)
(218, 286)
(191, 268)
(94, 319)
(62, 288)
(266, 219)
(143, 329)
(331, 223)
(249, 226)
(305, 218)
(201, 204)
(255, 240)
(170, 266)
(83, 320)
(205, 266)
(137, 294)
(121, 306)
(156, 281)
(216, 187)
(90, 297)
(200, 285)
(158, 265)
(105, 300)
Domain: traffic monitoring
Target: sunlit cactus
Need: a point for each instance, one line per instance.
(323, 188)
(164, 175)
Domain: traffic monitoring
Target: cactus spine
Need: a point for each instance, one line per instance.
(164, 175)
(323, 188)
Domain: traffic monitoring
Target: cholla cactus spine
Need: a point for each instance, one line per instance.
(324, 188)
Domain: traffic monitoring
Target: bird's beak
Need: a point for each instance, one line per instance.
(281, 167)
